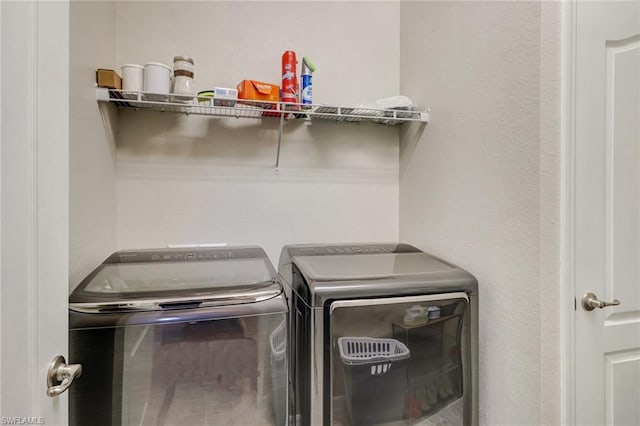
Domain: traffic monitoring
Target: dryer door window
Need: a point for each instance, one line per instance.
(402, 358)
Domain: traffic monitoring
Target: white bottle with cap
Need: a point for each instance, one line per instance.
(307, 86)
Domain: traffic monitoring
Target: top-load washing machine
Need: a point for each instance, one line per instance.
(179, 337)
(380, 334)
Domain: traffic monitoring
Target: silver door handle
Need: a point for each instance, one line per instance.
(590, 302)
(60, 375)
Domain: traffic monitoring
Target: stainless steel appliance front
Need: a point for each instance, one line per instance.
(186, 336)
(436, 381)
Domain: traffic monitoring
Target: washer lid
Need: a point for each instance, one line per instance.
(369, 266)
(182, 278)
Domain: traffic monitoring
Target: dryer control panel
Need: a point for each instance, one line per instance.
(346, 249)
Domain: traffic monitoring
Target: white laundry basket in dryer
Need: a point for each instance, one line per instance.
(375, 378)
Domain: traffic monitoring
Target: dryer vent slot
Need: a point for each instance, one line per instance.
(186, 304)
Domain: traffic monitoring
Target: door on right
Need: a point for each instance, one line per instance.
(607, 213)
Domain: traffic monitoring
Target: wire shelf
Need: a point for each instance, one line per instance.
(195, 105)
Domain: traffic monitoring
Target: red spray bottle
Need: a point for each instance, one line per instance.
(289, 77)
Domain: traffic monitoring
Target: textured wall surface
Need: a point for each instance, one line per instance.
(550, 255)
(92, 151)
(479, 185)
(200, 180)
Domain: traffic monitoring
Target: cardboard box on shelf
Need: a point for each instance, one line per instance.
(108, 78)
(250, 92)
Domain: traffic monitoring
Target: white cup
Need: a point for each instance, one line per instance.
(132, 77)
(157, 78)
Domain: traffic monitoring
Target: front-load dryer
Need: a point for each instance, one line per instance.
(380, 334)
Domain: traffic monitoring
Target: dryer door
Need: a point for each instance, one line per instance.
(400, 358)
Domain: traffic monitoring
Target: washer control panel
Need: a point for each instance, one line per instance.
(185, 255)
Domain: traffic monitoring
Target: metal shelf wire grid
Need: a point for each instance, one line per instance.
(195, 105)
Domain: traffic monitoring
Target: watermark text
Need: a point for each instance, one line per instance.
(17, 420)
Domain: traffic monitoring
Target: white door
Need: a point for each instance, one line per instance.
(34, 207)
(607, 212)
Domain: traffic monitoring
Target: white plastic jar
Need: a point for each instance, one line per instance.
(132, 77)
(183, 73)
(157, 77)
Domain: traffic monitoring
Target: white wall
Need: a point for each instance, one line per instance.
(479, 187)
(92, 153)
(199, 180)
(550, 255)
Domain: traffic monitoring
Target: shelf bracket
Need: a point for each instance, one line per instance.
(280, 130)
